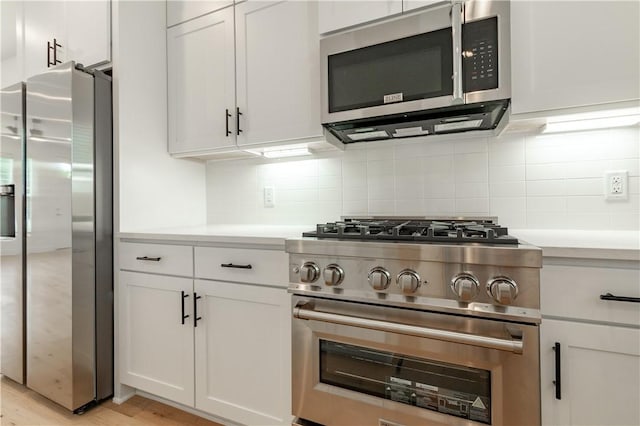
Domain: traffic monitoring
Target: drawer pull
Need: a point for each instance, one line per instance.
(231, 265)
(151, 259)
(610, 296)
(196, 318)
(558, 381)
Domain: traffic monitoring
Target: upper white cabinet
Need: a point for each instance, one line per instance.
(81, 30)
(278, 71)
(181, 11)
(335, 15)
(244, 81)
(567, 54)
(201, 70)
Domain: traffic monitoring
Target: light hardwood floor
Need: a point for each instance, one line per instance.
(20, 406)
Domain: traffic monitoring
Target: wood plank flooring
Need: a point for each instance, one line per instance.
(20, 406)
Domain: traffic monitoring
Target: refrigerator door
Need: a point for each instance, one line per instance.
(12, 232)
(60, 236)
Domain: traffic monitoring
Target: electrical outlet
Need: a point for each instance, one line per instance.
(616, 185)
(269, 196)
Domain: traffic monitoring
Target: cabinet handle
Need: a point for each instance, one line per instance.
(610, 296)
(238, 114)
(55, 52)
(231, 265)
(226, 119)
(195, 309)
(558, 380)
(184, 296)
(49, 54)
(151, 259)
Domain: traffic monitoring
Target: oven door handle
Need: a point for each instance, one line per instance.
(515, 346)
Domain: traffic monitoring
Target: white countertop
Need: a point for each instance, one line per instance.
(273, 235)
(614, 245)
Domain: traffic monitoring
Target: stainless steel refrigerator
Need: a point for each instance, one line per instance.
(57, 238)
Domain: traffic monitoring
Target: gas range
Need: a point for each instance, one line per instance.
(467, 266)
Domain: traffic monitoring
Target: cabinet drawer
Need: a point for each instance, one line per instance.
(574, 292)
(158, 258)
(244, 265)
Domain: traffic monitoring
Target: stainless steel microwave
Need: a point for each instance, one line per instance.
(444, 69)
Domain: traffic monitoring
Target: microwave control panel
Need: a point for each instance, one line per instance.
(480, 55)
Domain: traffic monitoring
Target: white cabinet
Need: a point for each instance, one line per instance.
(88, 34)
(220, 343)
(201, 83)
(11, 34)
(244, 82)
(600, 374)
(179, 11)
(156, 348)
(243, 352)
(336, 15)
(566, 54)
(599, 341)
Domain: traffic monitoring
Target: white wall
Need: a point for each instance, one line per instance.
(528, 181)
(155, 190)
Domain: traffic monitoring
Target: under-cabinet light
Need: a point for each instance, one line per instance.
(292, 152)
(576, 123)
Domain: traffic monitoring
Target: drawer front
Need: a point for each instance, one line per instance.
(157, 258)
(268, 267)
(574, 292)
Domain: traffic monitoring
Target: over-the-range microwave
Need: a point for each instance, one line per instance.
(442, 70)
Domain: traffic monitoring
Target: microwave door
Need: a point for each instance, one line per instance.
(403, 65)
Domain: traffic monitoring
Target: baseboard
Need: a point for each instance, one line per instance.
(188, 409)
(122, 397)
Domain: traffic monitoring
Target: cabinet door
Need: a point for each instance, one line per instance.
(11, 39)
(88, 31)
(179, 11)
(201, 77)
(600, 374)
(278, 71)
(337, 14)
(43, 21)
(243, 353)
(156, 349)
(566, 54)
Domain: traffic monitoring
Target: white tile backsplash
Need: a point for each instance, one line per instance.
(528, 181)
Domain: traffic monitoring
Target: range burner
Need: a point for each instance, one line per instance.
(418, 230)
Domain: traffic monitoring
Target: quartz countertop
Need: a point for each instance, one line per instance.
(614, 245)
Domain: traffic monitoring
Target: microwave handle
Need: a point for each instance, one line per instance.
(456, 26)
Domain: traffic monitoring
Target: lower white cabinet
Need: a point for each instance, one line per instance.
(156, 349)
(599, 369)
(221, 347)
(243, 352)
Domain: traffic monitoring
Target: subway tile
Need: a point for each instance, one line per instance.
(408, 187)
(630, 205)
(439, 189)
(382, 207)
(588, 221)
(381, 154)
(472, 190)
(507, 150)
(586, 169)
(330, 195)
(330, 167)
(545, 171)
(439, 206)
(586, 186)
(471, 168)
(406, 151)
(441, 165)
(542, 188)
(300, 182)
(354, 193)
(507, 189)
(409, 166)
(380, 168)
(409, 207)
(507, 204)
(354, 153)
(354, 207)
(467, 146)
(547, 204)
(355, 174)
(547, 220)
(329, 181)
(472, 205)
(624, 221)
(632, 165)
(587, 204)
(296, 196)
(437, 148)
(507, 173)
(634, 185)
(381, 188)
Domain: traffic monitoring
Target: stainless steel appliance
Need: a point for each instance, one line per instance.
(407, 322)
(57, 333)
(442, 70)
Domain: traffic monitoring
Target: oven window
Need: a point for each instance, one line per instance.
(411, 68)
(447, 388)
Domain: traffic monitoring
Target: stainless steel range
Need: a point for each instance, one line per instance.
(414, 321)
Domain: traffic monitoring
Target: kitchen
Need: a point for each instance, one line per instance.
(209, 202)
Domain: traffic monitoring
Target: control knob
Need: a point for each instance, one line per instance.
(379, 278)
(465, 286)
(502, 289)
(309, 272)
(408, 281)
(333, 275)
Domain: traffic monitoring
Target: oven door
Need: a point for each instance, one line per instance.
(363, 364)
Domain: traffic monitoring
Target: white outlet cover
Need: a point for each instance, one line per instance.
(616, 185)
(269, 196)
